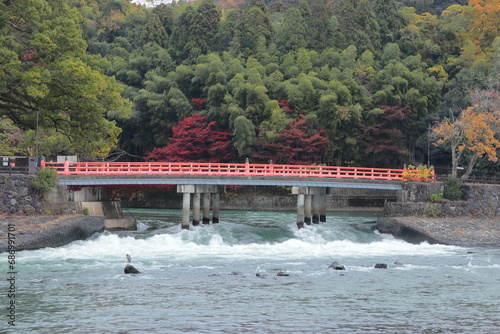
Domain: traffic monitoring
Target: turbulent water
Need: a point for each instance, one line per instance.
(223, 278)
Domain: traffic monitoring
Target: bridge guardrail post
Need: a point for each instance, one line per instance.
(66, 167)
(247, 167)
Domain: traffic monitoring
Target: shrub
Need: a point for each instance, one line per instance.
(453, 189)
(45, 180)
(420, 173)
(437, 197)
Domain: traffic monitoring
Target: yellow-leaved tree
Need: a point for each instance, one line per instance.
(474, 131)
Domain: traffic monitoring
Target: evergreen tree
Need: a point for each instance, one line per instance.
(154, 32)
(204, 26)
(255, 23)
(181, 33)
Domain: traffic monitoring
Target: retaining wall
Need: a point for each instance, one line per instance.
(17, 196)
(479, 201)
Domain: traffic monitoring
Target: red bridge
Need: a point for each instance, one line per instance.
(225, 169)
(311, 184)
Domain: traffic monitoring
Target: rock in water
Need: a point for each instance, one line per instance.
(336, 266)
(381, 266)
(130, 269)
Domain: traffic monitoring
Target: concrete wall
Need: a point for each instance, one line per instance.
(268, 200)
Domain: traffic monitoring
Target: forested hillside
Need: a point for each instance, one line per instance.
(345, 82)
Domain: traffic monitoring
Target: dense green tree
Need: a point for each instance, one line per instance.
(203, 27)
(321, 26)
(389, 19)
(47, 81)
(166, 15)
(244, 136)
(291, 34)
(154, 32)
(255, 22)
(181, 33)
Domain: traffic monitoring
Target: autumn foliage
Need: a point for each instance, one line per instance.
(295, 145)
(195, 139)
(385, 137)
(473, 132)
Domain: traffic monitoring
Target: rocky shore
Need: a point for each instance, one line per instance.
(34, 232)
(463, 231)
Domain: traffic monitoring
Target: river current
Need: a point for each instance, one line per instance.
(255, 272)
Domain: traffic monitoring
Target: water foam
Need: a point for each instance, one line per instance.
(203, 241)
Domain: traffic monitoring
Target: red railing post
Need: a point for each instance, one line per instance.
(247, 167)
(66, 167)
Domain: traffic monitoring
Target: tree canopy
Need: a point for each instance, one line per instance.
(344, 82)
(48, 81)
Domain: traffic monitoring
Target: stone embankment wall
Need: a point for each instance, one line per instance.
(479, 201)
(17, 196)
(473, 222)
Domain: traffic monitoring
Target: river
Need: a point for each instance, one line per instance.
(223, 278)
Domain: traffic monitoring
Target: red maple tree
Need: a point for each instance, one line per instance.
(384, 140)
(198, 103)
(195, 139)
(295, 146)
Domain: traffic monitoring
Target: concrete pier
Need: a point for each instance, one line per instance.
(315, 208)
(206, 208)
(300, 210)
(215, 207)
(307, 209)
(196, 209)
(309, 205)
(202, 195)
(186, 199)
(322, 209)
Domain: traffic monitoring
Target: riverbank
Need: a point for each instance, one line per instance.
(34, 232)
(463, 231)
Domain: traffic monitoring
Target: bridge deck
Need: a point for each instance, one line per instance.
(159, 180)
(162, 173)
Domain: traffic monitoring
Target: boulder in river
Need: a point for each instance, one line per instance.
(336, 266)
(130, 269)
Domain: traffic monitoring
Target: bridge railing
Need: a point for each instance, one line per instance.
(221, 169)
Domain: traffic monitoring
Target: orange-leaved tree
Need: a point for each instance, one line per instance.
(474, 132)
(485, 24)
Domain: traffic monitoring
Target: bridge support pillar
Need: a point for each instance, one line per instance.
(186, 199)
(196, 209)
(322, 207)
(300, 211)
(310, 200)
(307, 208)
(215, 207)
(201, 195)
(315, 208)
(206, 208)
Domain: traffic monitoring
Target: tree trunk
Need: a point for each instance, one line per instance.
(454, 162)
(472, 162)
